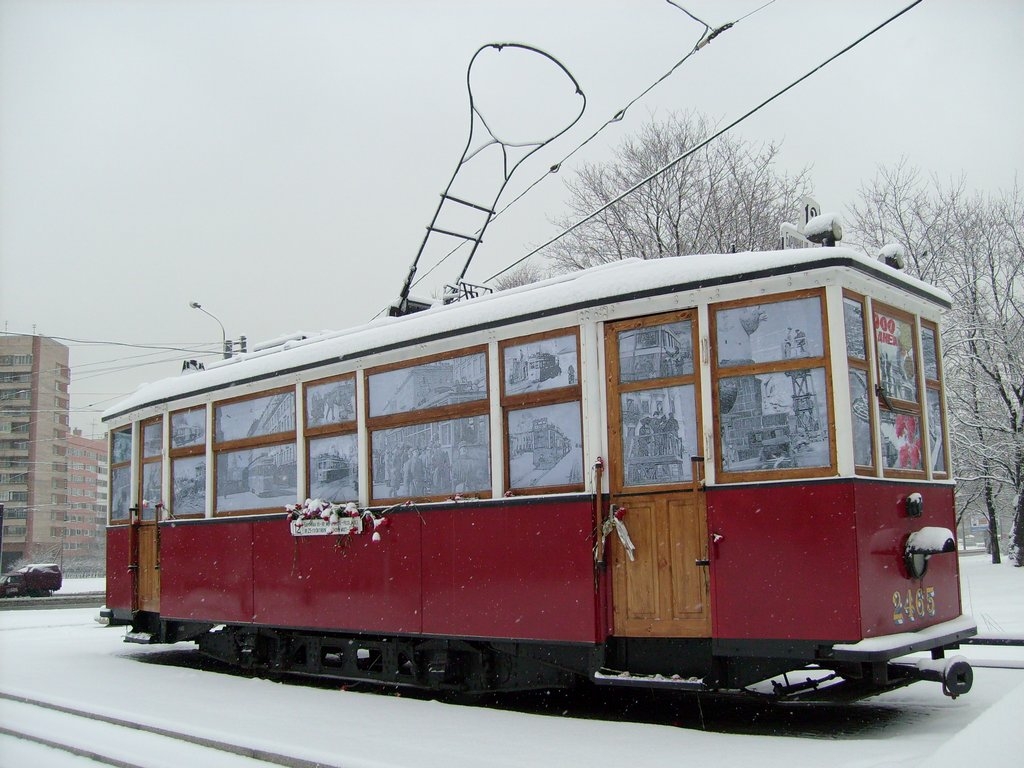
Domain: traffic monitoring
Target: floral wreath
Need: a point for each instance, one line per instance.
(319, 509)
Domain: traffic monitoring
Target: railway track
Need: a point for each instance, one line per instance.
(80, 600)
(119, 742)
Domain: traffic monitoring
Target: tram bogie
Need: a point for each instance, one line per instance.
(678, 490)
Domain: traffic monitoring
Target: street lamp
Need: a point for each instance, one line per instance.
(223, 333)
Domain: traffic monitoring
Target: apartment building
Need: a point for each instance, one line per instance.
(34, 379)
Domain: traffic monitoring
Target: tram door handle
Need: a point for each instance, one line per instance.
(702, 563)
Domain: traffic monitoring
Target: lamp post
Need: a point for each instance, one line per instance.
(223, 333)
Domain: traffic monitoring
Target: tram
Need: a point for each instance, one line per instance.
(720, 512)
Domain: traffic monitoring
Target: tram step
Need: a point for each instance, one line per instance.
(626, 679)
(144, 638)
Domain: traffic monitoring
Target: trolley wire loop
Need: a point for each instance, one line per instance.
(509, 163)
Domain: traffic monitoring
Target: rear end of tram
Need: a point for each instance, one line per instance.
(722, 474)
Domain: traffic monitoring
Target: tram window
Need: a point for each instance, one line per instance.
(860, 406)
(853, 320)
(188, 486)
(333, 467)
(255, 457)
(901, 441)
(658, 351)
(540, 398)
(120, 474)
(255, 417)
(897, 363)
(429, 434)
(439, 383)
(659, 435)
(769, 332)
(332, 450)
(860, 384)
(933, 399)
(544, 446)
(256, 478)
(188, 463)
(152, 480)
(330, 403)
(936, 432)
(653, 403)
(188, 428)
(439, 459)
(772, 388)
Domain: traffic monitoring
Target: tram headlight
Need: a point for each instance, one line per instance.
(922, 544)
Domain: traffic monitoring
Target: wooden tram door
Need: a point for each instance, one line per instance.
(654, 435)
(145, 558)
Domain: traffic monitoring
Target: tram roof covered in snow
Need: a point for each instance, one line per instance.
(620, 281)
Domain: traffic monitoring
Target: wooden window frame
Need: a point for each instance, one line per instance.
(865, 366)
(120, 465)
(425, 417)
(148, 507)
(937, 386)
(614, 385)
(538, 399)
(333, 429)
(894, 404)
(718, 373)
(270, 440)
(188, 451)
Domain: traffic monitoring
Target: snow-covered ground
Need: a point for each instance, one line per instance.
(64, 656)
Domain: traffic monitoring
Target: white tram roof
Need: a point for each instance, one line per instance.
(620, 281)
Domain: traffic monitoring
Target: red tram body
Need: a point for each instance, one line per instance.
(755, 504)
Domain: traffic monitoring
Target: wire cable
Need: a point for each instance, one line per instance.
(701, 145)
(706, 36)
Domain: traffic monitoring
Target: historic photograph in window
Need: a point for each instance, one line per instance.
(774, 421)
(764, 333)
(188, 481)
(255, 417)
(120, 492)
(451, 381)
(545, 446)
(152, 488)
(853, 319)
(333, 402)
(188, 428)
(894, 342)
(256, 478)
(860, 406)
(656, 352)
(439, 458)
(152, 439)
(121, 446)
(901, 441)
(659, 435)
(334, 468)
(936, 435)
(540, 365)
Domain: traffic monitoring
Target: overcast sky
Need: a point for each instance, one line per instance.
(278, 160)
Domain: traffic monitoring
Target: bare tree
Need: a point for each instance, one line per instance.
(973, 246)
(724, 197)
(526, 273)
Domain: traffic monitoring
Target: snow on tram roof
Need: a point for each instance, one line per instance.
(615, 281)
